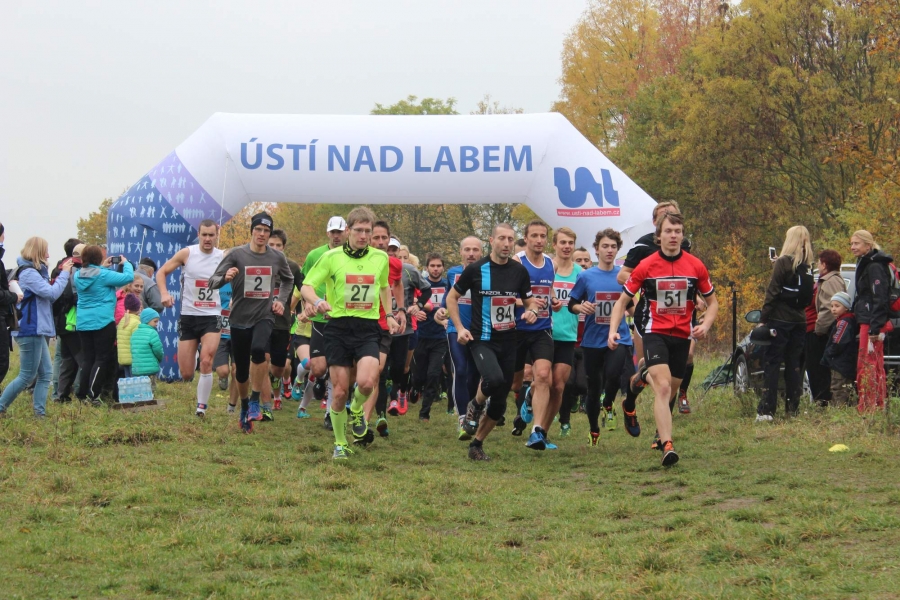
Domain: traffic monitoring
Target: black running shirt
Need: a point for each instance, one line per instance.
(495, 289)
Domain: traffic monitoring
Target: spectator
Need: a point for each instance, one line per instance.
(783, 311)
(873, 281)
(146, 347)
(150, 296)
(819, 320)
(8, 301)
(95, 314)
(36, 324)
(69, 249)
(841, 351)
(68, 344)
(136, 287)
(124, 328)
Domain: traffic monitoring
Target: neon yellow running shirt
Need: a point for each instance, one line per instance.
(352, 285)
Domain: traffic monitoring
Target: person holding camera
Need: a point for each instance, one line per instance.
(96, 283)
(789, 291)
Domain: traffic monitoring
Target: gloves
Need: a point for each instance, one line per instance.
(881, 337)
(871, 347)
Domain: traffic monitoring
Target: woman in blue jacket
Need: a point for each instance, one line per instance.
(36, 325)
(95, 318)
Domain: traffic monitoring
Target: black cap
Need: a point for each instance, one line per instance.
(262, 218)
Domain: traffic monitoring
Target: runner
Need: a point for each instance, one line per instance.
(377, 402)
(576, 386)
(318, 367)
(594, 296)
(494, 282)
(201, 308)
(432, 344)
(252, 270)
(356, 279)
(280, 342)
(301, 338)
(535, 337)
(669, 282)
(223, 363)
(465, 374)
(565, 324)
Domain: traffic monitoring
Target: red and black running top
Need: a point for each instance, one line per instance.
(670, 285)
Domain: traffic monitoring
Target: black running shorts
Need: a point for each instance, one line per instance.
(536, 344)
(349, 339)
(662, 349)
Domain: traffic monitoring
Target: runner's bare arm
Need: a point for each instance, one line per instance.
(699, 332)
(623, 275)
(615, 318)
(176, 262)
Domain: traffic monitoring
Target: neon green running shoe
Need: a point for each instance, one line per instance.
(341, 452)
(564, 430)
(611, 420)
(462, 435)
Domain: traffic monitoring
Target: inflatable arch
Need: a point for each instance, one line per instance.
(537, 159)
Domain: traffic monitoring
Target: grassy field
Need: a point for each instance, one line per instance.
(102, 503)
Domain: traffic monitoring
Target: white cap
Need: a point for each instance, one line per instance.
(394, 242)
(335, 224)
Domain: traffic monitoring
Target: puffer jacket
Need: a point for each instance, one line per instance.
(96, 288)
(38, 298)
(146, 351)
(873, 282)
(124, 330)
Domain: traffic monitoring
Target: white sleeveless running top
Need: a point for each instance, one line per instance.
(196, 298)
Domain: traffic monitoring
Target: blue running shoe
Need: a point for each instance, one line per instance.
(254, 413)
(302, 414)
(526, 413)
(246, 424)
(548, 445)
(536, 440)
(297, 390)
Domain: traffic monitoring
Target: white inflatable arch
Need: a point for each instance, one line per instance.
(232, 160)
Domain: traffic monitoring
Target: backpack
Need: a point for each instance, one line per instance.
(894, 293)
(798, 292)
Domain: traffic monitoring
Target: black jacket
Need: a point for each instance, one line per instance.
(843, 347)
(773, 309)
(8, 299)
(873, 282)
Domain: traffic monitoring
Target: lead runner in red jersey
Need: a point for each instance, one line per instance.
(669, 281)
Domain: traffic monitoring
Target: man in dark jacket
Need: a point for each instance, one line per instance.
(8, 301)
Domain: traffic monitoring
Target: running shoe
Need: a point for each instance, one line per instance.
(501, 421)
(536, 440)
(670, 457)
(414, 395)
(297, 390)
(639, 380)
(302, 414)
(477, 453)
(684, 406)
(254, 413)
(324, 405)
(223, 383)
(565, 429)
(657, 443)
(246, 423)
(341, 452)
(365, 440)
(602, 416)
(403, 400)
(320, 387)
(473, 416)
(461, 434)
(394, 408)
(286, 389)
(611, 420)
(267, 414)
(381, 426)
(277, 405)
(327, 424)
(525, 412)
(201, 410)
(548, 445)
(519, 426)
(232, 408)
(764, 418)
(358, 424)
(594, 440)
(631, 422)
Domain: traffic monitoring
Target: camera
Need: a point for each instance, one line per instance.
(114, 260)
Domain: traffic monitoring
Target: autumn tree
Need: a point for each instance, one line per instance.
(92, 229)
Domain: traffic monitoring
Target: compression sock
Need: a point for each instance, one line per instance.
(245, 404)
(356, 403)
(688, 373)
(329, 395)
(672, 403)
(204, 387)
(254, 396)
(628, 403)
(339, 423)
(307, 394)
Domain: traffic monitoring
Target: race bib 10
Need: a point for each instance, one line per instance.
(225, 322)
(359, 292)
(502, 313)
(562, 289)
(671, 296)
(257, 282)
(603, 305)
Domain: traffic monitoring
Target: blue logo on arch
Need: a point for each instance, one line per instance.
(584, 184)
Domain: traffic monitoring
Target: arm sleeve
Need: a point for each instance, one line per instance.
(152, 298)
(635, 280)
(218, 278)
(115, 279)
(286, 277)
(773, 290)
(37, 285)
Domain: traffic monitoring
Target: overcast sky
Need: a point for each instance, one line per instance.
(95, 93)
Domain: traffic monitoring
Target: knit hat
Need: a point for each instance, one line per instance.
(147, 315)
(842, 298)
(132, 302)
(262, 218)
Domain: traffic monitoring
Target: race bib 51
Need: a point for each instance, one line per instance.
(671, 296)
